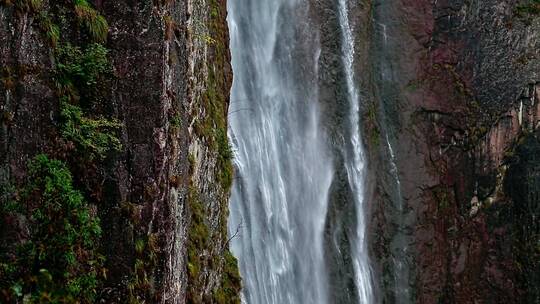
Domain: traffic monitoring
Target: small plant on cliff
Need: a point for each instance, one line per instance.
(372, 125)
(56, 262)
(51, 30)
(141, 285)
(24, 5)
(8, 78)
(197, 242)
(229, 291)
(93, 136)
(94, 22)
(529, 9)
(78, 72)
(79, 69)
(224, 159)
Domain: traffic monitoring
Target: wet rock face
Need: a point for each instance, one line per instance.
(457, 87)
(340, 219)
(340, 227)
(161, 53)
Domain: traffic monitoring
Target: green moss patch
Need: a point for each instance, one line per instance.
(231, 282)
(202, 254)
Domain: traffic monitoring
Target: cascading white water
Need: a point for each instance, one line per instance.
(356, 161)
(284, 169)
(283, 164)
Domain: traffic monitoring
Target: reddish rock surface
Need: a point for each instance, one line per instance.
(462, 97)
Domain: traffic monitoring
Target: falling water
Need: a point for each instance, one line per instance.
(356, 161)
(284, 168)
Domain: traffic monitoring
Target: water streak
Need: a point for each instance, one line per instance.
(356, 164)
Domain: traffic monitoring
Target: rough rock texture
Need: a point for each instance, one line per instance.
(166, 56)
(456, 86)
(340, 222)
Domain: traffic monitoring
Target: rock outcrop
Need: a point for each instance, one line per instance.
(144, 139)
(455, 84)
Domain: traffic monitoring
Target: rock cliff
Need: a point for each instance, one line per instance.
(453, 86)
(115, 167)
(125, 103)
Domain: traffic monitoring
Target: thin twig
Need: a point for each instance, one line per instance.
(233, 236)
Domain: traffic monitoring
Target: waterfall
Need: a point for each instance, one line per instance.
(284, 168)
(356, 160)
